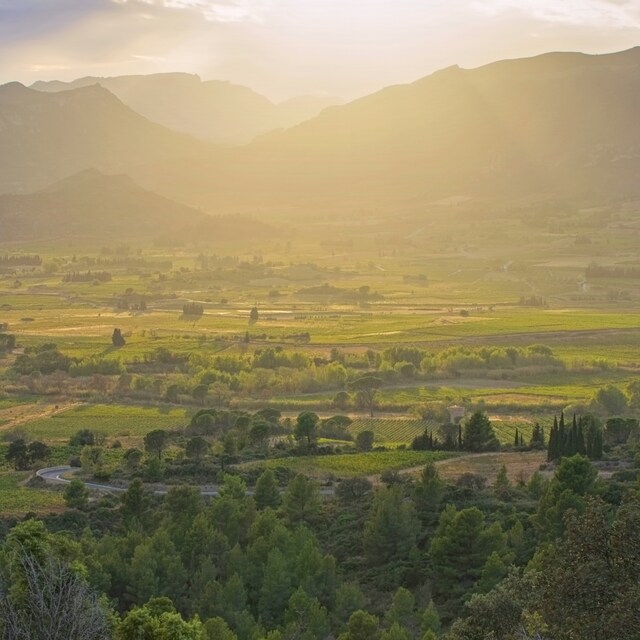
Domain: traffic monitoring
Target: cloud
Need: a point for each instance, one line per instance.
(212, 10)
(587, 13)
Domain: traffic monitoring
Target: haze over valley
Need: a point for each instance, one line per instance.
(319, 321)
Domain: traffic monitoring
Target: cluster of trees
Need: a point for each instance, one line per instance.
(192, 309)
(87, 276)
(7, 342)
(44, 359)
(20, 260)
(476, 435)
(419, 560)
(22, 455)
(584, 436)
(595, 270)
(362, 295)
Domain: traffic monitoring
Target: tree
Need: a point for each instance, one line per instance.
(367, 389)
(574, 478)
(54, 602)
(259, 433)
(92, 459)
(396, 631)
(276, 589)
(361, 626)
(305, 618)
(197, 448)
(18, 455)
(349, 599)
(392, 527)
(537, 437)
(38, 451)
(364, 440)
(479, 434)
(156, 442)
(254, 315)
(306, 427)
(341, 400)
(267, 493)
(610, 400)
(590, 584)
(117, 338)
(502, 485)
(301, 500)
(428, 493)
(76, 495)
(133, 458)
(403, 610)
(459, 550)
(217, 629)
(430, 620)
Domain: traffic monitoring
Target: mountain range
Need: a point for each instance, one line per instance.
(557, 125)
(215, 111)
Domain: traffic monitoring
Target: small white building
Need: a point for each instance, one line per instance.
(456, 413)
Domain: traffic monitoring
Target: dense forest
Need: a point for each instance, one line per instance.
(555, 558)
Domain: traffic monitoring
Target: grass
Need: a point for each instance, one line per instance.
(353, 465)
(520, 465)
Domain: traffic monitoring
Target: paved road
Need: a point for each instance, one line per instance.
(56, 475)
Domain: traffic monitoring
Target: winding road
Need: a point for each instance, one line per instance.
(54, 475)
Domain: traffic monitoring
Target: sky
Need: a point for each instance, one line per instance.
(283, 48)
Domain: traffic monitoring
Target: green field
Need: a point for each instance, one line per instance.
(353, 465)
(112, 421)
(389, 429)
(18, 500)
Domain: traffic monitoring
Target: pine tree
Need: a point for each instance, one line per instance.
(267, 493)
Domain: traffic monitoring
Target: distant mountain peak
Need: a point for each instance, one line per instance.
(213, 110)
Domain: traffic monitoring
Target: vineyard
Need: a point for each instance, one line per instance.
(110, 420)
(354, 465)
(390, 429)
(404, 430)
(505, 429)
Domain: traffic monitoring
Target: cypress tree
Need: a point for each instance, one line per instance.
(460, 436)
(597, 445)
(580, 434)
(552, 449)
(517, 440)
(562, 435)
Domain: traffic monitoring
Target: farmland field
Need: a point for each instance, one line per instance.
(18, 500)
(353, 465)
(113, 421)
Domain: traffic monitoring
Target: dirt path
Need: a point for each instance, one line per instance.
(25, 413)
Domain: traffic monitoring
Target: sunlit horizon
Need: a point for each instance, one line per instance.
(283, 48)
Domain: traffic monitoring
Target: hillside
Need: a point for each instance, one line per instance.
(216, 111)
(558, 125)
(92, 205)
(45, 137)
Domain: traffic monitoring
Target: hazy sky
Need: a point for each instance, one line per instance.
(287, 47)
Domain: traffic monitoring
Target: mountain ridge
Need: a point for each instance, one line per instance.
(213, 110)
